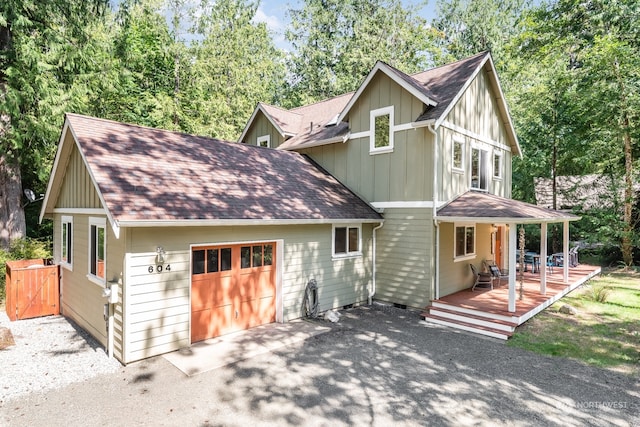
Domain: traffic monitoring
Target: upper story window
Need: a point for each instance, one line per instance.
(381, 132)
(66, 242)
(347, 241)
(497, 165)
(479, 169)
(458, 155)
(465, 236)
(264, 141)
(97, 250)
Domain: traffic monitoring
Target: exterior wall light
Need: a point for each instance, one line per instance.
(160, 255)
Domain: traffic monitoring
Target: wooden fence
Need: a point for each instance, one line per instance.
(32, 288)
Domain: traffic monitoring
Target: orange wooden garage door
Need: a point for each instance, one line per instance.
(232, 288)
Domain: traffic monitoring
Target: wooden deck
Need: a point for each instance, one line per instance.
(485, 311)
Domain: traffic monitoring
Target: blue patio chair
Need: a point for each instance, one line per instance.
(551, 262)
(531, 258)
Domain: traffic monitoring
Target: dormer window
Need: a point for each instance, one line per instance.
(381, 132)
(264, 141)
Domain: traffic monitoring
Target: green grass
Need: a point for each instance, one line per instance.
(604, 334)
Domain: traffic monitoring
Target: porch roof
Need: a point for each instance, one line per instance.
(489, 208)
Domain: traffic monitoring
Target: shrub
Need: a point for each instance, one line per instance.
(21, 249)
(600, 293)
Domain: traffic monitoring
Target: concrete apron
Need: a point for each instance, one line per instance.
(216, 352)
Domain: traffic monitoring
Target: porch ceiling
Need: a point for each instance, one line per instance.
(488, 208)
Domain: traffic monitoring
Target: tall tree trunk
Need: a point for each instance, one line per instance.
(627, 240)
(12, 221)
(627, 232)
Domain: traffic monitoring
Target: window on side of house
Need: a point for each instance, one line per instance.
(497, 165)
(458, 155)
(97, 250)
(479, 169)
(465, 241)
(347, 241)
(381, 139)
(264, 141)
(66, 242)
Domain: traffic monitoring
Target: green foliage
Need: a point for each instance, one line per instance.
(599, 293)
(235, 66)
(610, 326)
(471, 26)
(21, 249)
(337, 42)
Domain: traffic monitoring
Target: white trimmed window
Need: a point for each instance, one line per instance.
(497, 165)
(479, 169)
(66, 242)
(465, 241)
(264, 141)
(97, 250)
(381, 132)
(347, 241)
(458, 155)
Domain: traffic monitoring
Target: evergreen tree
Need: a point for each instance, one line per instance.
(40, 55)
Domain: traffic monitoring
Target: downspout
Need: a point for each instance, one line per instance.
(434, 190)
(372, 292)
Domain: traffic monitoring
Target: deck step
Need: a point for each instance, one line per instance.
(467, 326)
(490, 314)
(479, 320)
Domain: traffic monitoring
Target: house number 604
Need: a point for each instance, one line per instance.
(159, 268)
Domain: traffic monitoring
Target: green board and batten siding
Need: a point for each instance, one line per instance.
(262, 126)
(82, 299)
(77, 190)
(404, 261)
(476, 112)
(403, 175)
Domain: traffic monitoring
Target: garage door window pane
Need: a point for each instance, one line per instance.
(245, 257)
(268, 254)
(198, 262)
(225, 259)
(212, 260)
(257, 256)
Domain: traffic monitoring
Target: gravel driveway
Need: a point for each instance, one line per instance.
(49, 352)
(379, 366)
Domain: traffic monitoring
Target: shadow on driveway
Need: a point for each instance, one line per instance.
(379, 366)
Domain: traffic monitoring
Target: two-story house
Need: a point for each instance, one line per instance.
(165, 239)
(432, 152)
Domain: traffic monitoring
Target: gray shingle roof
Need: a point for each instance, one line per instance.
(152, 174)
(445, 82)
(441, 84)
(477, 205)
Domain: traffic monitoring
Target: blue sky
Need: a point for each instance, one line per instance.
(274, 14)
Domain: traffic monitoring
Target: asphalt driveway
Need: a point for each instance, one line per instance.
(379, 366)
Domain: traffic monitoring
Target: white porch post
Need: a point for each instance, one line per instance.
(565, 250)
(513, 249)
(543, 258)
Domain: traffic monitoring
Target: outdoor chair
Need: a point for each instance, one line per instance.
(551, 262)
(495, 271)
(573, 256)
(533, 259)
(481, 278)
